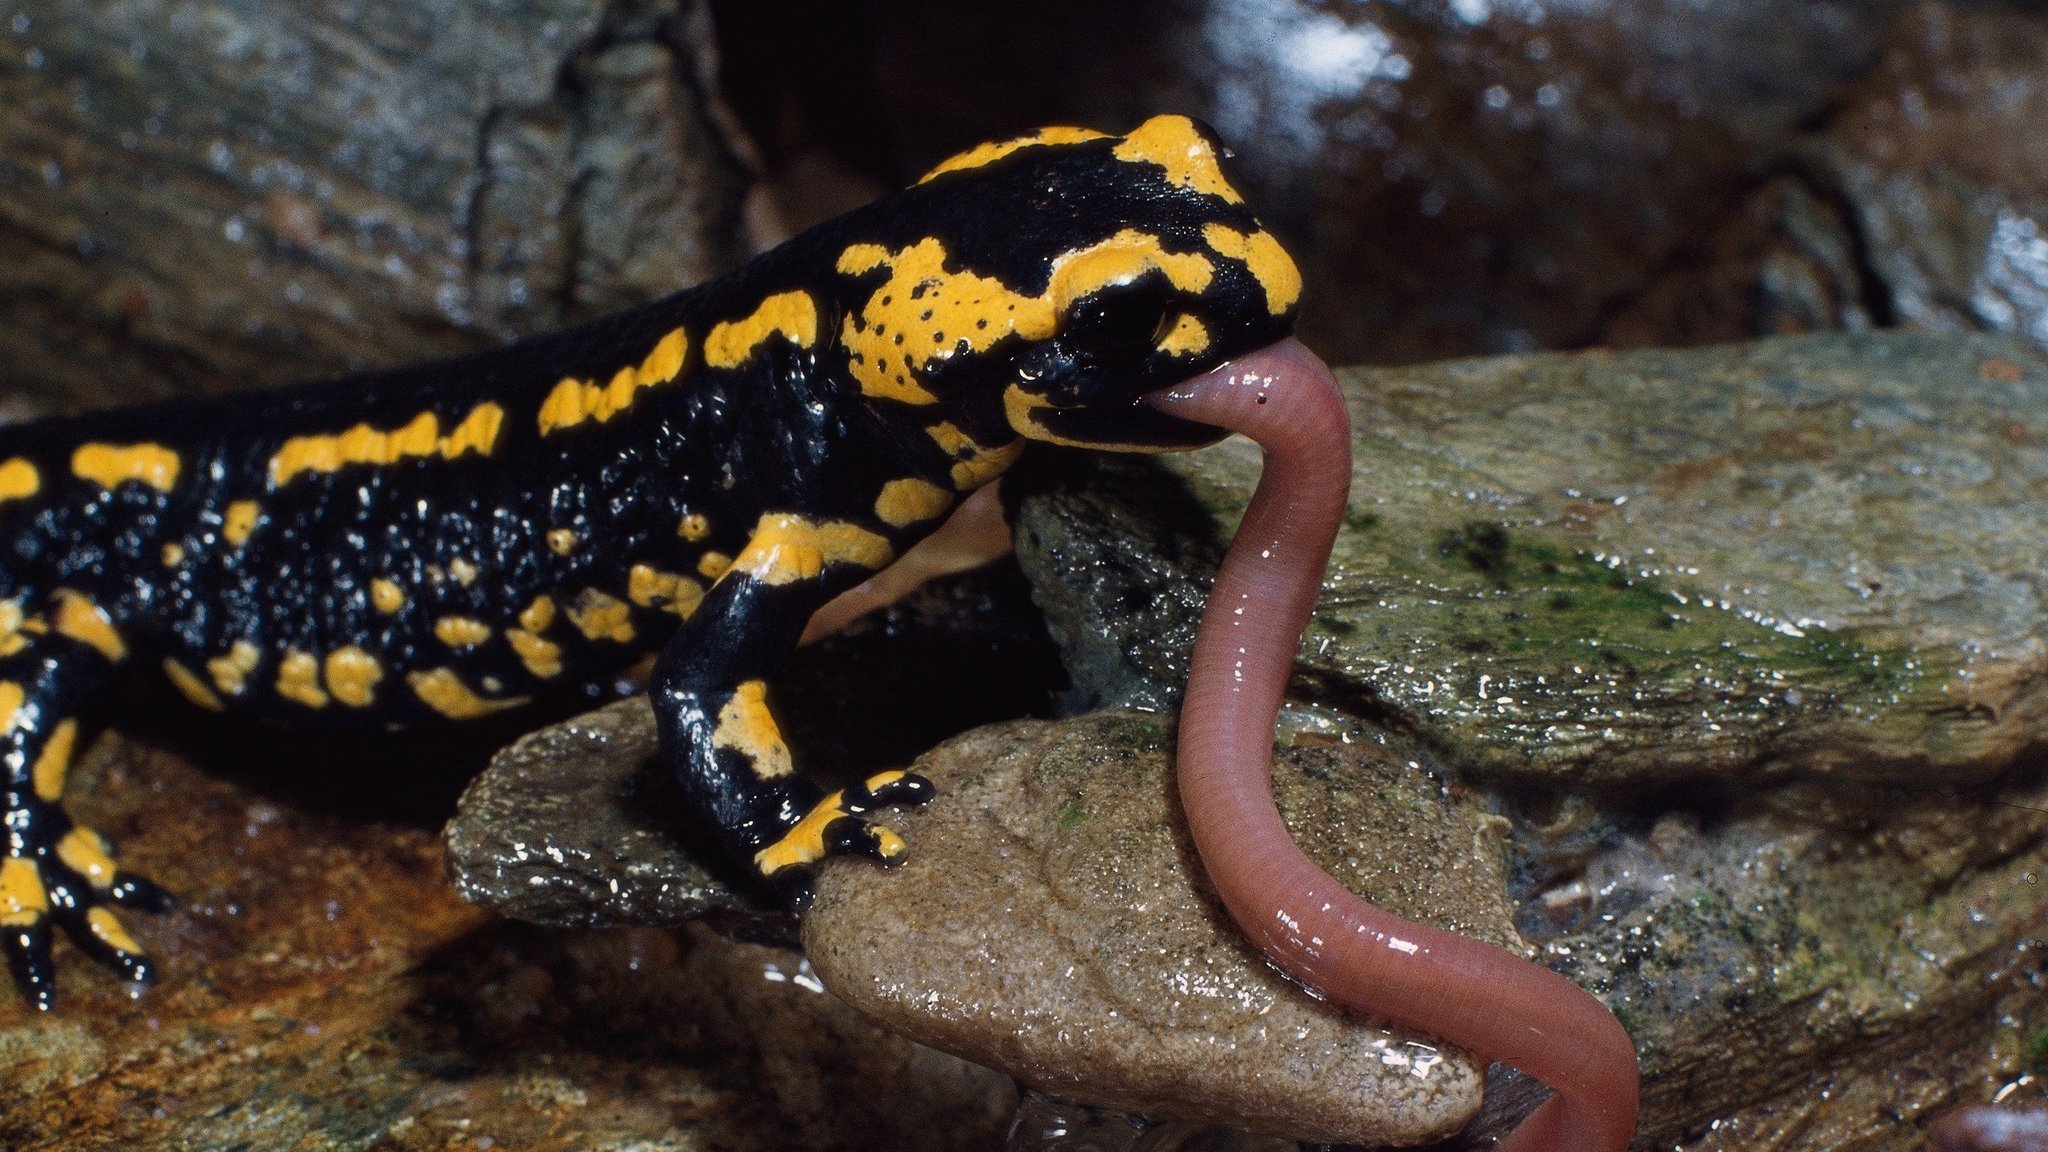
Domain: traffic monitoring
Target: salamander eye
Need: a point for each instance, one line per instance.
(1123, 325)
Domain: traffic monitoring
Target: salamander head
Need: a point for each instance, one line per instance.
(1039, 287)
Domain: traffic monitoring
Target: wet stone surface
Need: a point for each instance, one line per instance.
(1052, 922)
(574, 827)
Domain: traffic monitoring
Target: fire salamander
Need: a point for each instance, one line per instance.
(693, 477)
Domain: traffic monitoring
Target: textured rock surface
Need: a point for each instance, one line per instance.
(203, 197)
(1052, 922)
(1811, 555)
(1809, 967)
(571, 827)
(325, 991)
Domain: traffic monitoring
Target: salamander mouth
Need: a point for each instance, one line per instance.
(1132, 426)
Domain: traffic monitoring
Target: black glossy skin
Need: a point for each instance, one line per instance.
(767, 438)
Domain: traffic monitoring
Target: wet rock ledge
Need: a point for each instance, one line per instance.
(1741, 649)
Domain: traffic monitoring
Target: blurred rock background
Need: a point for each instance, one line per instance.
(207, 196)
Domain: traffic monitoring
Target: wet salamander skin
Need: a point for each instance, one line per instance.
(694, 477)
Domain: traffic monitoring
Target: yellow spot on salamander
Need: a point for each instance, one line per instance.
(539, 615)
(298, 679)
(85, 853)
(733, 343)
(11, 700)
(652, 588)
(746, 726)
(1175, 144)
(561, 541)
(464, 572)
(1188, 337)
(1121, 259)
(19, 480)
(108, 929)
(1267, 261)
(694, 526)
(386, 596)
(443, 691)
(22, 899)
(601, 616)
(911, 501)
(54, 762)
(239, 522)
(363, 444)
(11, 626)
(786, 548)
(231, 672)
(543, 658)
(982, 155)
(187, 682)
(76, 616)
(173, 554)
(973, 464)
(352, 675)
(574, 401)
(712, 565)
(461, 631)
(110, 465)
(883, 779)
(925, 313)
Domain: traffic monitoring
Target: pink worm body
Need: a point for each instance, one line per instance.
(1984, 1128)
(1484, 998)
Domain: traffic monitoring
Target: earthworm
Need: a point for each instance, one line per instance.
(1985, 1128)
(1484, 998)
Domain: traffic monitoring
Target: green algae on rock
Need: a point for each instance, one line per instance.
(1812, 554)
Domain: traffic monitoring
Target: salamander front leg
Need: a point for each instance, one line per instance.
(55, 870)
(711, 703)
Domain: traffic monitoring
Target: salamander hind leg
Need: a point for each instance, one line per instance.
(55, 870)
(710, 698)
(737, 775)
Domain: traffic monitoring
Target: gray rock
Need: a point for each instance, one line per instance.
(1813, 555)
(560, 830)
(1052, 921)
(209, 197)
(1825, 958)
